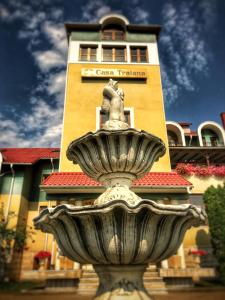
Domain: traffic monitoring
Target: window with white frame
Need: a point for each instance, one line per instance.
(139, 54)
(113, 34)
(102, 117)
(88, 53)
(114, 54)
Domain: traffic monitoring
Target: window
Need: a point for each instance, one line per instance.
(44, 176)
(113, 34)
(139, 54)
(210, 138)
(114, 54)
(172, 138)
(214, 141)
(88, 53)
(104, 116)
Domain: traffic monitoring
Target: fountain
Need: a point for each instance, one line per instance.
(121, 233)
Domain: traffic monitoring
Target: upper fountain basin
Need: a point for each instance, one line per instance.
(116, 156)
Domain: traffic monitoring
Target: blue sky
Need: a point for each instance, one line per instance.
(33, 58)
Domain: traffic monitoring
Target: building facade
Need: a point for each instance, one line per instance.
(36, 178)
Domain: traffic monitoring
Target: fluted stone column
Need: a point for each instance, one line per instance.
(121, 282)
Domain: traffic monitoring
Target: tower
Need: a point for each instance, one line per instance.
(112, 48)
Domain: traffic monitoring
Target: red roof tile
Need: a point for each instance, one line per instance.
(27, 155)
(157, 179)
(194, 133)
(184, 123)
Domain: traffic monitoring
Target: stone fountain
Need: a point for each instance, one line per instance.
(121, 233)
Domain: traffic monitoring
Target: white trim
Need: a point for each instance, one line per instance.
(214, 126)
(128, 54)
(98, 54)
(130, 109)
(111, 63)
(74, 46)
(180, 130)
(153, 54)
(99, 189)
(105, 18)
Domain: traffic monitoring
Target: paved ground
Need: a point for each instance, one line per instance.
(199, 295)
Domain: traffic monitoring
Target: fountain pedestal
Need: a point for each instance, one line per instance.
(121, 282)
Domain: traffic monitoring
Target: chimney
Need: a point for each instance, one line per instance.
(222, 116)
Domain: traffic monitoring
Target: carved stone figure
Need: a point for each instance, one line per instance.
(113, 104)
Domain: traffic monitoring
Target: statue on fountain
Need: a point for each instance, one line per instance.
(113, 104)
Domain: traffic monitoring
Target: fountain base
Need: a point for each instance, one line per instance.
(121, 282)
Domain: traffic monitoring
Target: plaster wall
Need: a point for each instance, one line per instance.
(202, 183)
(83, 96)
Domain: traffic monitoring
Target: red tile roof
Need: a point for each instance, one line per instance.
(184, 123)
(27, 155)
(76, 179)
(194, 133)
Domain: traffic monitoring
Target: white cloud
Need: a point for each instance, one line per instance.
(42, 125)
(184, 51)
(56, 36)
(46, 60)
(10, 133)
(56, 83)
(4, 13)
(140, 15)
(92, 11)
(171, 91)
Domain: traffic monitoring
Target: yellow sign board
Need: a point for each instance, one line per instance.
(118, 73)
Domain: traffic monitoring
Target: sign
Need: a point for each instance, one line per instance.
(118, 73)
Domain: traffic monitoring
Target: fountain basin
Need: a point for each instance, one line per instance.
(116, 156)
(117, 233)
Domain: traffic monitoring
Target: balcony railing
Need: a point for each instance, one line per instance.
(172, 144)
(216, 144)
(204, 145)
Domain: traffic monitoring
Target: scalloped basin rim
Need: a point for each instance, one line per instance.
(115, 132)
(182, 210)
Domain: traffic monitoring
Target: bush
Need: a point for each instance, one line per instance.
(12, 239)
(214, 199)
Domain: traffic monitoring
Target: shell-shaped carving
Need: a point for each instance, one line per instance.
(110, 151)
(117, 233)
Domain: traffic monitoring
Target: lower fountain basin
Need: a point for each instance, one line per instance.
(119, 233)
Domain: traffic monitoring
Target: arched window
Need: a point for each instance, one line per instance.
(211, 134)
(175, 134)
(210, 138)
(113, 33)
(172, 138)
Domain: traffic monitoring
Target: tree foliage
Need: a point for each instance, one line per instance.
(214, 199)
(12, 239)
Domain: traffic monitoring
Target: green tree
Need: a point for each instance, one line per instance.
(214, 199)
(12, 238)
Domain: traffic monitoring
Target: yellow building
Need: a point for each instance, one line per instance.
(113, 48)
(33, 179)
